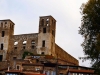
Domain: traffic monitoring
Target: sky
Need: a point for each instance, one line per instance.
(25, 14)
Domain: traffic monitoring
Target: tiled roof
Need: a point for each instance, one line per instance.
(80, 71)
(31, 64)
(13, 71)
(33, 74)
(3, 69)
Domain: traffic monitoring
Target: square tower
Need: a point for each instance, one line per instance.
(46, 36)
(6, 31)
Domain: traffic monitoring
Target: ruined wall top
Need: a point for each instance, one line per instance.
(64, 55)
(5, 20)
(25, 36)
(49, 16)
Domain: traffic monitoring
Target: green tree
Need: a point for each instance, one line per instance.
(90, 30)
(26, 53)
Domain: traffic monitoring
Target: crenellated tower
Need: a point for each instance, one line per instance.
(6, 32)
(46, 36)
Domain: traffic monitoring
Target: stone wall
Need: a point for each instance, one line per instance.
(21, 43)
(65, 56)
(3, 65)
(6, 31)
(47, 29)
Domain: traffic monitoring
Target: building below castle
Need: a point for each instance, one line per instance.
(37, 52)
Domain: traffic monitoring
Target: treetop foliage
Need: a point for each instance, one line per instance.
(90, 30)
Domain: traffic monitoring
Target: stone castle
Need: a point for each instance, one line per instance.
(41, 43)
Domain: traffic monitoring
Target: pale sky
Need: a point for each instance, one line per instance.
(25, 14)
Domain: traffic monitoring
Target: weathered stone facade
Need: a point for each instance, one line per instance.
(13, 46)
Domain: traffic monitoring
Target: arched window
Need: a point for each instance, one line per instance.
(47, 22)
(33, 42)
(24, 42)
(44, 30)
(42, 22)
(47, 19)
(15, 43)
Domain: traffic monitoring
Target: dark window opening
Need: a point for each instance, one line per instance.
(14, 58)
(15, 48)
(52, 21)
(10, 26)
(43, 43)
(5, 22)
(1, 56)
(61, 74)
(1, 24)
(44, 30)
(3, 33)
(37, 60)
(1, 46)
(53, 32)
(42, 53)
(23, 47)
(32, 46)
(42, 22)
(17, 67)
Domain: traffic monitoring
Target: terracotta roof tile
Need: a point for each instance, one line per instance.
(80, 71)
(13, 71)
(33, 74)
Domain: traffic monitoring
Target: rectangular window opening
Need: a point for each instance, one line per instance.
(32, 46)
(15, 48)
(53, 32)
(44, 30)
(1, 46)
(14, 58)
(42, 22)
(3, 33)
(1, 56)
(43, 43)
(42, 53)
(5, 22)
(23, 47)
(17, 67)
